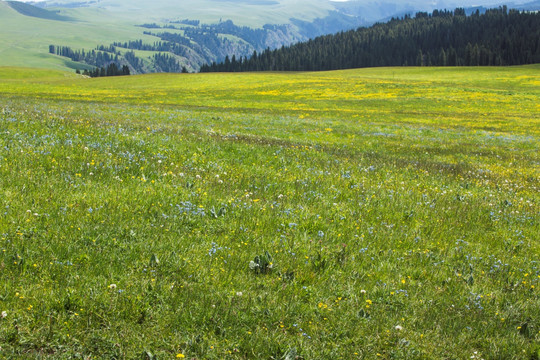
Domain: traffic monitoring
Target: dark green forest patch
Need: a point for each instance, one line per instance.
(34, 11)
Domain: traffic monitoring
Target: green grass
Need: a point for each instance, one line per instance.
(399, 208)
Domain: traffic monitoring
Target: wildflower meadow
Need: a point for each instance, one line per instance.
(387, 213)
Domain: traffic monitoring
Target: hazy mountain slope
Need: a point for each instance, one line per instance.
(530, 6)
(260, 12)
(250, 13)
(372, 11)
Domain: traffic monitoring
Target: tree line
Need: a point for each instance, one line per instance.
(442, 38)
(106, 58)
(100, 57)
(110, 70)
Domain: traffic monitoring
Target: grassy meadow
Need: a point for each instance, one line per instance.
(363, 214)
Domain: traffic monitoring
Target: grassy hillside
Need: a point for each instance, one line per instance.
(377, 213)
(24, 39)
(248, 13)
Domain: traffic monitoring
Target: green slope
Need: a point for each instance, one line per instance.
(24, 40)
(248, 13)
(26, 34)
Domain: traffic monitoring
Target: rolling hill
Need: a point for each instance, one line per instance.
(27, 30)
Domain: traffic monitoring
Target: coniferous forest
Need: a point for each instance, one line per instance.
(111, 70)
(442, 38)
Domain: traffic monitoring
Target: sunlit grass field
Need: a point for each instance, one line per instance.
(377, 213)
